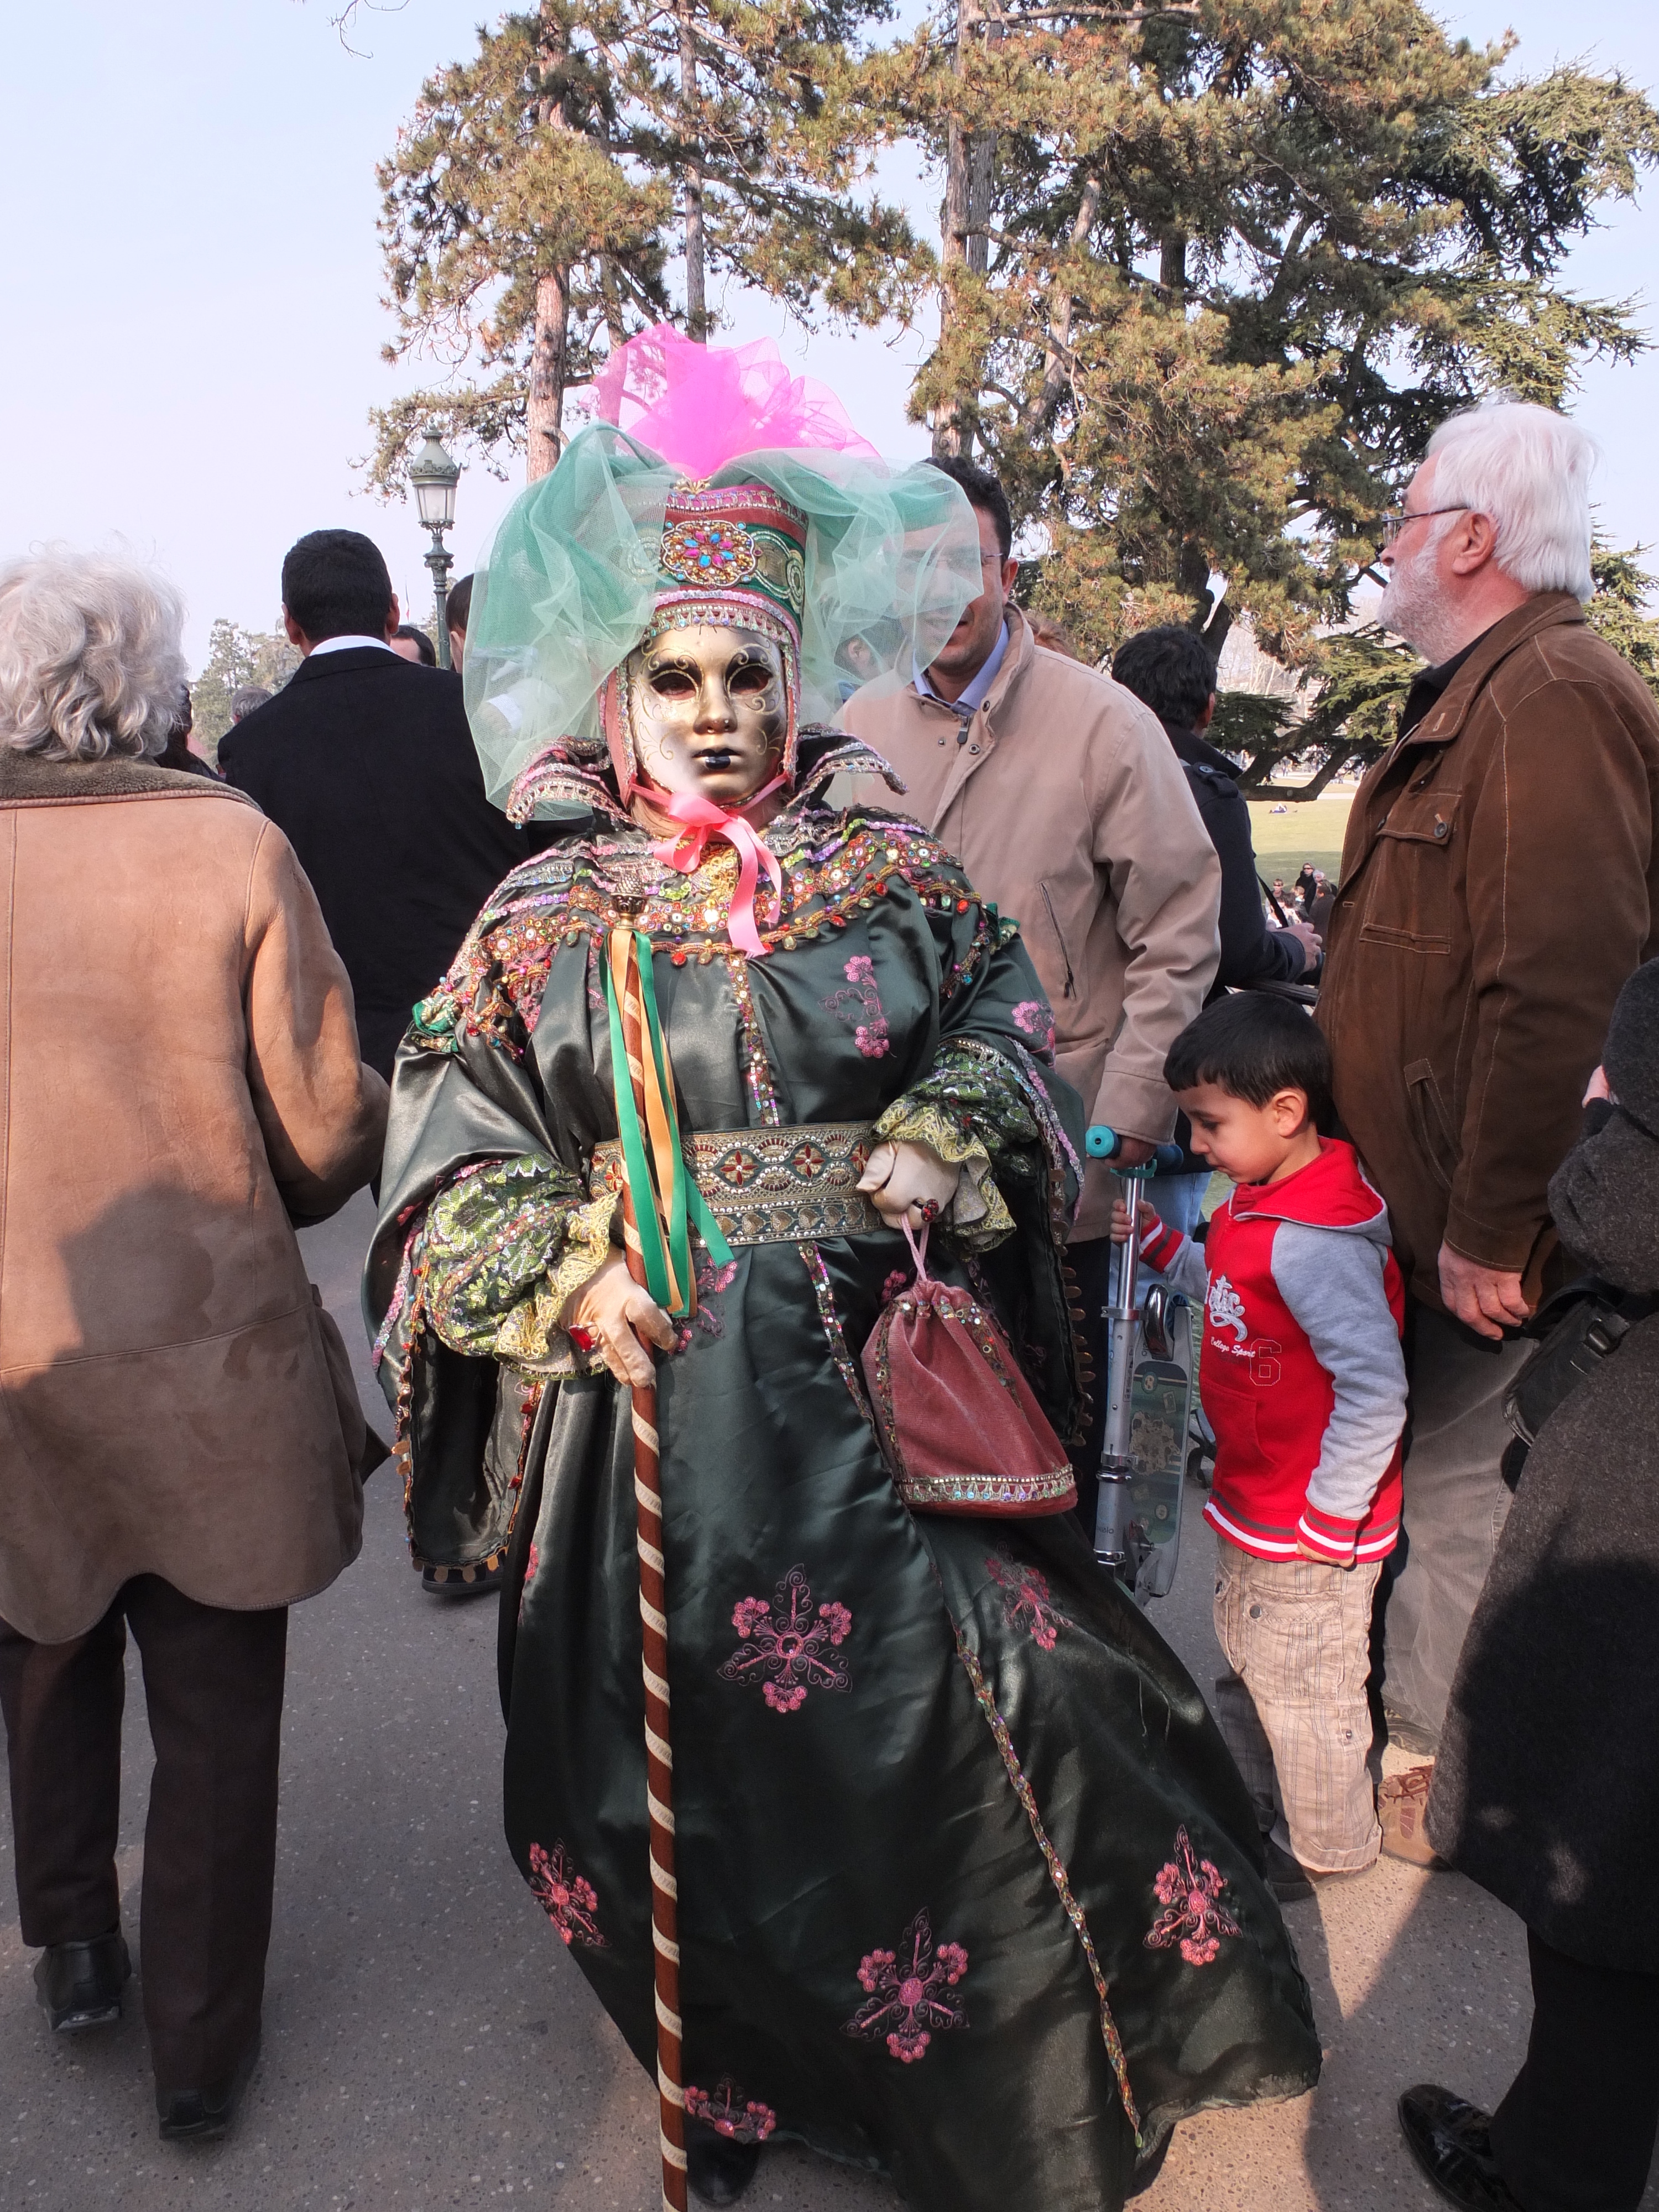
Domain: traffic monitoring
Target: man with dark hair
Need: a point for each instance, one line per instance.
(414, 646)
(1173, 670)
(458, 607)
(1059, 794)
(365, 762)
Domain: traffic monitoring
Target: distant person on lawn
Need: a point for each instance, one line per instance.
(1466, 993)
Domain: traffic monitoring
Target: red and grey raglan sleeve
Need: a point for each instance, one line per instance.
(1177, 1258)
(1333, 1283)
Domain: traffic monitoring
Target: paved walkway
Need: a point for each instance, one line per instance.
(428, 2044)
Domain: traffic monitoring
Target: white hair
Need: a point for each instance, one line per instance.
(91, 656)
(1528, 469)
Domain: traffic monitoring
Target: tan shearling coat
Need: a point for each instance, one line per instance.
(179, 1070)
(1065, 803)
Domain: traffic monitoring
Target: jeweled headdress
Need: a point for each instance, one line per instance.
(717, 489)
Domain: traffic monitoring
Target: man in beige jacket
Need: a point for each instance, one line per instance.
(1057, 790)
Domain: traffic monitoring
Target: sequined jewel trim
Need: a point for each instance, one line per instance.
(1057, 1874)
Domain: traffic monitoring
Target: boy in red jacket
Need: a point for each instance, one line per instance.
(1304, 1385)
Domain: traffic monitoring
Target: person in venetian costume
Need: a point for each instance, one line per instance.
(968, 1890)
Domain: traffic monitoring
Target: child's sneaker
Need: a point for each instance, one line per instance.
(1401, 1801)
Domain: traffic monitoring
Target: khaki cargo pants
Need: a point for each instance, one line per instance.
(1296, 1634)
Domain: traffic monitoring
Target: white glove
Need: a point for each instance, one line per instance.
(908, 1181)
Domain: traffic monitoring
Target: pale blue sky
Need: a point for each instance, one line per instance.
(192, 285)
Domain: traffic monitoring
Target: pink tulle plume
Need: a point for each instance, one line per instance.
(701, 406)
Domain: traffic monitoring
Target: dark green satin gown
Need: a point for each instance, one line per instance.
(969, 1890)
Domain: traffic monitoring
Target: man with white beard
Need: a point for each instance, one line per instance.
(1464, 998)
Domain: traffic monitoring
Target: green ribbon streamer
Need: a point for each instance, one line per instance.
(687, 1206)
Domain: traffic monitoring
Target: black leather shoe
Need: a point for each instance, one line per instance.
(1287, 1878)
(79, 1984)
(1451, 2142)
(718, 2169)
(200, 2115)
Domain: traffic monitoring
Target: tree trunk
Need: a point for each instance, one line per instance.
(949, 438)
(947, 416)
(981, 150)
(549, 351)
(613, 314)
(1257, 780)
(549, 359)
(696, 312)
(1057, 358)
(981, 166)
(1172, 265)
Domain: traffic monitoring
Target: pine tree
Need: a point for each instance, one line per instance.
(1212, 272)
(513, 236)
(533, 205)
(235, 656)
(1623, 592)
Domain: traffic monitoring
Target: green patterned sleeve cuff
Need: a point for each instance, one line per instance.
(507, 1243)
(971, 1109)
(977, 1215)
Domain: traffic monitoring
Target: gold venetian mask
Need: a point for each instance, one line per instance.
(707, 713)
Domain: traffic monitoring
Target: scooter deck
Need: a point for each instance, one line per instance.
(1160, 1406)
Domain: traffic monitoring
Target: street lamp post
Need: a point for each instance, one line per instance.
(434, 476)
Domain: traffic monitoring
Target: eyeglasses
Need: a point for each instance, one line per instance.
(1394, 523)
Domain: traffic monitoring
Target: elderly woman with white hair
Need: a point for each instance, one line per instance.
(180, 1443)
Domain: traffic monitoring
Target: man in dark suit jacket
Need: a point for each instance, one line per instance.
(365, 762)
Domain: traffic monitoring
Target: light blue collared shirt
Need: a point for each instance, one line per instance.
(973, 698)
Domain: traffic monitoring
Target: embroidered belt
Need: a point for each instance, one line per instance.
(773, 1186)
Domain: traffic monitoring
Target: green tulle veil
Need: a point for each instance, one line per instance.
(570, 584)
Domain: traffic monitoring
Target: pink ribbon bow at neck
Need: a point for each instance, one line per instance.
(704, 820)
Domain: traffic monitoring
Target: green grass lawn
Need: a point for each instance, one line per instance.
(1312, 830)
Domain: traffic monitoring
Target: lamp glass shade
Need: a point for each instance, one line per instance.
(434, 476)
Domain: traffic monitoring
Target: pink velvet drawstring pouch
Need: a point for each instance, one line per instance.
(961, 1428)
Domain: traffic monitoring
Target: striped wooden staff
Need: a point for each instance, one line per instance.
(653, 1617)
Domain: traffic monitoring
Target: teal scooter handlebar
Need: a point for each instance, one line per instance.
(1103, 1143)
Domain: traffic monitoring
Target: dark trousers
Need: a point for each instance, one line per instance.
(1576, 2132)
(213, 1685)
(1090, 1265)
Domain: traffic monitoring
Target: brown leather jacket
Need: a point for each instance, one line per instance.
(1500, 882)
(178, 1072)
